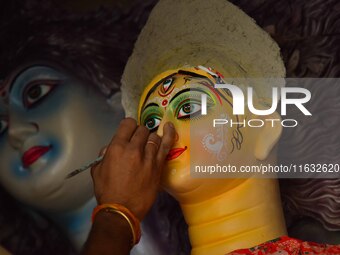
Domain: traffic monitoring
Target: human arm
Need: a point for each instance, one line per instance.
(110, 234)
(129, 175)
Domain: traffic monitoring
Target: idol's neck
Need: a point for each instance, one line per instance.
(76, 223)
(245, 216)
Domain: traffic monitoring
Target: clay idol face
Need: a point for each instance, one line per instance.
(51, 124)
(176, 97)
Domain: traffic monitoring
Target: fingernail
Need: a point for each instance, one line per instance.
(170, 125)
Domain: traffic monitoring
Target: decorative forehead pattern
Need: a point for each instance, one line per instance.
(164, 99)
(166, 87)
(164, 84)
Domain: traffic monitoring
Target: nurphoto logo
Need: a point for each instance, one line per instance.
(239, 105)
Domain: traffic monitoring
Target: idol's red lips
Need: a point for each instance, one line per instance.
(33, 154)
(174, 153)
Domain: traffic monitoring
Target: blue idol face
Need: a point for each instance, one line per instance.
(52, 124)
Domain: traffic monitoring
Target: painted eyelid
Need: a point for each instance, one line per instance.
(50, 84)
(37, 81)
(180, 105)
(153, 128)
(193, 100)
(149, 114)
(193, 96)
(159, 121)
(187, 114)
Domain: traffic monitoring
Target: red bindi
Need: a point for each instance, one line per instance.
(165, 102)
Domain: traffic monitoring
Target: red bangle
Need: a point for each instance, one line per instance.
(134, 223)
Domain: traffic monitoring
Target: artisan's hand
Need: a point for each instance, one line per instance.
(128, 175)
(130, 172)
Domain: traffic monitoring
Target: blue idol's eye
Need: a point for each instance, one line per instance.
(36, 92)
(152, 123)
(188, 109)
(3, 126)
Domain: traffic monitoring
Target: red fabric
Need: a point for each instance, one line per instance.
(289, 246)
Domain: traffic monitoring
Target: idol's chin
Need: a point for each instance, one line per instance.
(62, 201)
(65, 197)
(177, 181)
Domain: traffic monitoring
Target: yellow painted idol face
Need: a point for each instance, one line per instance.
(175, 96)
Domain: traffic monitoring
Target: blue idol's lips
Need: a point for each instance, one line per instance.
(33, 154)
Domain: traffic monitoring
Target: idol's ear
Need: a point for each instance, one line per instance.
(268, 136)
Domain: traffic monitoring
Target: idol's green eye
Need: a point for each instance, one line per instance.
(152, 123)
(3, 126)
(151, 116)
(188, 109)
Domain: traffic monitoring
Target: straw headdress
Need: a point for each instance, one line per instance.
(211, 33)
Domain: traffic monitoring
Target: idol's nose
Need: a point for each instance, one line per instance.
(19, 130)
(164, 120)
(160, 130)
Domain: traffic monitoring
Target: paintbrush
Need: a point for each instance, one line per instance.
(85, 167)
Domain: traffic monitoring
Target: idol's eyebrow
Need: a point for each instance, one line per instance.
(14, 79)
(186, 90)
(192, 74)
(149, 105)
(34, 79)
